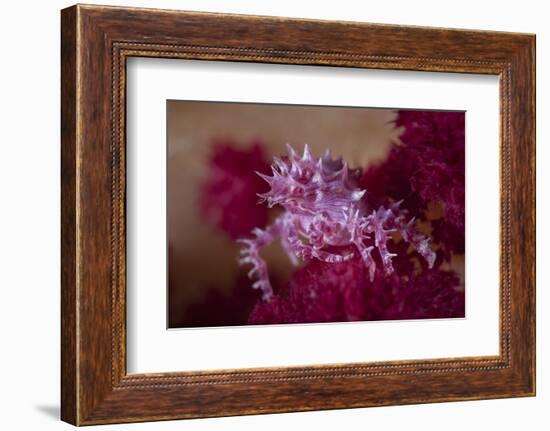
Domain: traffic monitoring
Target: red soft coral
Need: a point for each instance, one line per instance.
(428, 166)
(318, 292)
(339, 292)
(228, 196)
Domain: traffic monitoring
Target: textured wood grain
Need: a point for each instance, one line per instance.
(96, 41)
(69, 367)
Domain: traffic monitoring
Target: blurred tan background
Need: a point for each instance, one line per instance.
(199, 255)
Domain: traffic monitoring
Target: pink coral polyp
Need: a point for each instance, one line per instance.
(326, 217)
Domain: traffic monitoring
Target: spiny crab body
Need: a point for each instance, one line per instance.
(325, 212)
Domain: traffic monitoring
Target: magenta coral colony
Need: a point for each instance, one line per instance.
(327, 217)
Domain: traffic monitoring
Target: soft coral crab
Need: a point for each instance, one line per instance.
(325, 217)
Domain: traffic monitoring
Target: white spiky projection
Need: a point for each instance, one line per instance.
(323, 210)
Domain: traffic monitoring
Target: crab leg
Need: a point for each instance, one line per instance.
(251, 255)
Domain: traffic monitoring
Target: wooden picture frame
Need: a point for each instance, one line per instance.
(95, 43)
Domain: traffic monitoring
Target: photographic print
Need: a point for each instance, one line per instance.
(262, 211)
(289, 214)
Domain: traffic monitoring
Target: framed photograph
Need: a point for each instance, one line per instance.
(264, 214)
